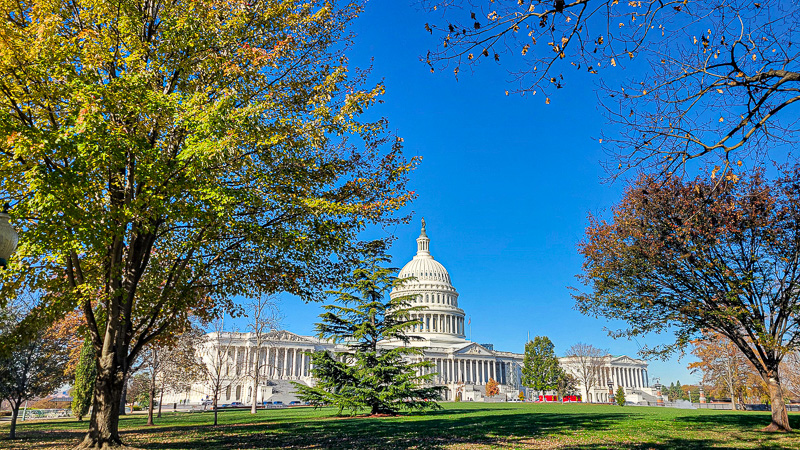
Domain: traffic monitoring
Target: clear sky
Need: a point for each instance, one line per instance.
(505, 186)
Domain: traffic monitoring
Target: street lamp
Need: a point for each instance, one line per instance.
(8, 237)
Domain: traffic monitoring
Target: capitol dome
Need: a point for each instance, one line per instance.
(429, 284)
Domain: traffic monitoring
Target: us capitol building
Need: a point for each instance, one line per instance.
(464, 367)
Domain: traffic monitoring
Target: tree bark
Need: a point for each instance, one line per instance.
(780, 419)
(12, 433)
(255, 391)
(104, 424)
(152, 399)
(124, 397)
(160, 401)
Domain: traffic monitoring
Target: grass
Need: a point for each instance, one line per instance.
(457, 426)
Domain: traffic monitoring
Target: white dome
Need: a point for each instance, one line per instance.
(425, 269)
(440, 318)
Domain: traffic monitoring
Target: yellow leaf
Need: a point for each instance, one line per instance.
(547, 101)
(721, 119)
(613, 63)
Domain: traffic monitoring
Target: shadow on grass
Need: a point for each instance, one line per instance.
(461, 427)
(430, 431)
(743, 420)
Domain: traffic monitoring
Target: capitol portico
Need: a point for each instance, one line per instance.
(462, 366)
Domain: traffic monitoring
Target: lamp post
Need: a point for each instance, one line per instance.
(8, 237)
(659, 398)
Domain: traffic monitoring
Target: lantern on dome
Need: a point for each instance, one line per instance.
(8, 237)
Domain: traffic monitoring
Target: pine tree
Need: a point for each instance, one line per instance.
(369, 375)
(619, 397)
(540, 368)
(85, 373)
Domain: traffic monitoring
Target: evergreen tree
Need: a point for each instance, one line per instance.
(619, 397)
(85, 373)
(369, 375)
(540, 368)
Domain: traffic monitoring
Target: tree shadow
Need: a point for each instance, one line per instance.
(429, 431)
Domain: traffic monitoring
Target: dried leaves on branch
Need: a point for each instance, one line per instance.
(703, 255)
(701, 78)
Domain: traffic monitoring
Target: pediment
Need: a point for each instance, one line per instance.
(285, 336)
(625, 360)
(474, 349)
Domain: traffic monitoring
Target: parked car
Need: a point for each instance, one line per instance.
(207, 402)
(236, 404)
(294, 403)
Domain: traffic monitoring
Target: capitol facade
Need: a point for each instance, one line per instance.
(462, 366)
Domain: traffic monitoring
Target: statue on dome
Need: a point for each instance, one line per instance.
(423, 223)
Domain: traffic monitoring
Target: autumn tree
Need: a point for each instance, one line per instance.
(703, 255)
(163, 158)
(492, 388)
(588, 362)
(540, 368)
(723, 366)
(700, 78)
(382, 379)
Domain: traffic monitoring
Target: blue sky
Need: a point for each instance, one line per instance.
(505, 185)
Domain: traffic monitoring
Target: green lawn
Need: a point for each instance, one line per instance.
(457, 426)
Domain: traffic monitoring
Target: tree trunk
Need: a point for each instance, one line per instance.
(150, 406)
(12, 433)
(104, 424)
(160, 401)
(123, 398)
(255, 391)
(733, 399)
(780, 419)
(215, 412)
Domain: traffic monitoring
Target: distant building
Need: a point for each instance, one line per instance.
(464, 367)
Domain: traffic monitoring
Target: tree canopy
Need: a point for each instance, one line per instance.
(382, 378)
(540, 368)
(162, 158)
(703, 255)
(700, 78)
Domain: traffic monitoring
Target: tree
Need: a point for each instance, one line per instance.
(701, 78)
(181, 366)
(492, 388)
(263, 318)
(540, 368)
(369, 375)
(216, 363)
(83, 385)
(589, 362)
(567, 384)
(619, 397)
(716, 255)
(722, 364)
(32, 367)
(163, 158)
